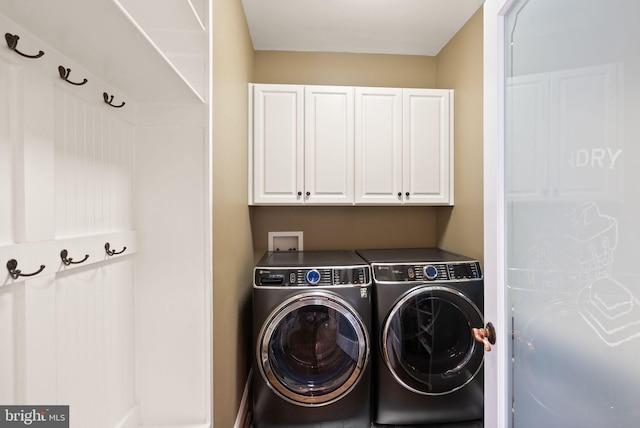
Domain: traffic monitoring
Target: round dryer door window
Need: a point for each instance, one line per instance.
(427, 341)
(313, 349)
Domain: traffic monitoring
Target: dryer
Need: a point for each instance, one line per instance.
(311, 338)
(427, 364)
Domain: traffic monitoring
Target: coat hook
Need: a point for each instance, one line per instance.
(64, 75)
(12, 42)
(110, 252)
(12, 267)
(109, 100)
(68, 260)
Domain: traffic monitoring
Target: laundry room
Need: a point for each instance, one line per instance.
(456, 227)
(139, 201)
(129, 229)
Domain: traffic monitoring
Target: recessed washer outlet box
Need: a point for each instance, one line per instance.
(285, 241)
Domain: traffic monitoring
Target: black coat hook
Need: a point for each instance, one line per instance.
(12, 42)
(109, 100)
(64, 75)
(68, 260)
(110, 252)
(12, 267)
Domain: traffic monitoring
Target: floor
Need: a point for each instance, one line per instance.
(472, 424)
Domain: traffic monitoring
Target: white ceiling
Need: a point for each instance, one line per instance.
(401, 27)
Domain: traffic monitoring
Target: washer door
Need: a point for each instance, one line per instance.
(313, 348)
(427, 342)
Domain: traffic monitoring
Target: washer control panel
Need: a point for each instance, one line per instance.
(309, 277)
(423, 272)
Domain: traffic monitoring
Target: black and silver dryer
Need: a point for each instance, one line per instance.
(311, 336)
(427, 364)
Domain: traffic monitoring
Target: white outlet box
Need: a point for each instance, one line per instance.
(285, 241)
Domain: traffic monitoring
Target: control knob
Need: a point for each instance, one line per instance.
(430, 272)
(313, 276)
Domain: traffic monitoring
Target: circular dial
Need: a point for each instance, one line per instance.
(313, 276)
(430, 272)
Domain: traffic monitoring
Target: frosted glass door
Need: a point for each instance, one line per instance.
(572, 157)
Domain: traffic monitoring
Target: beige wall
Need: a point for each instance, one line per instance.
(459, 66)
(232, 246)
(344, 69)
(346, 227)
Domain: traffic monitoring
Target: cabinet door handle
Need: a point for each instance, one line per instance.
(407, 194)
(399, 195)
(299, 194)
(308, 194)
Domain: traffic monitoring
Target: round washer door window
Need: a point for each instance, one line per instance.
(313, 349)
(427, 342)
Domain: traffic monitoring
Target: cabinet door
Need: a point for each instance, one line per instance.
(378, 143)
(427, 146)
(328, 145)
(277, 144)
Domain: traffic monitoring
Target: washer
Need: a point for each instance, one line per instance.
(427, 365)
(311, 336)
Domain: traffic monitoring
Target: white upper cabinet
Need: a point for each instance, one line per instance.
(278, 154)
(378, 163)
(404, 146)
(427, 124)
(328, 145)
(302, 145)
(346, 145)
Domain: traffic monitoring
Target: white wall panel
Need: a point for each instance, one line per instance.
(93, 168)
(37, 150)
(169, 279)
(66, 164)
(7, 338)
(7, 75)
(68, 334)
(38, 317)
(94, 326)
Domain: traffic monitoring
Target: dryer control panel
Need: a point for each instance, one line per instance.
(309, 277)
(424, 272)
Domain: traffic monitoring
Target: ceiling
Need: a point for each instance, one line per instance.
(400, 27)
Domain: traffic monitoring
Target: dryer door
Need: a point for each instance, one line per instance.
(427, 342)
(313, 348)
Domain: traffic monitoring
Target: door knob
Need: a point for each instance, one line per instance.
(486, 336)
